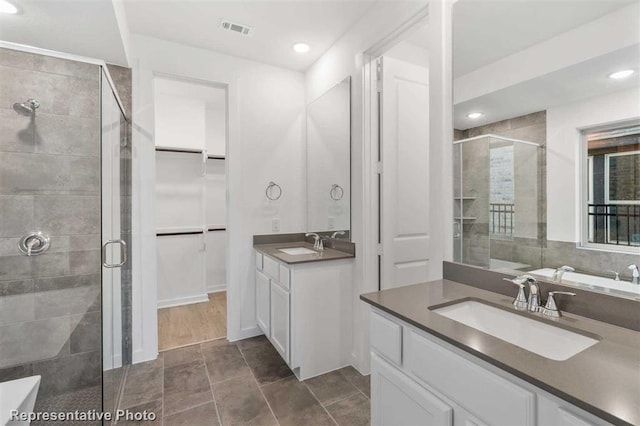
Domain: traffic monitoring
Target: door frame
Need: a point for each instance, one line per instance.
(438, 15)
(372, 79)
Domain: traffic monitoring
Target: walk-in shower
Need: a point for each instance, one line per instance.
(498, 202)
(65, 191)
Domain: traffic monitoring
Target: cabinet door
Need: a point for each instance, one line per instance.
(397, 400)
(280, 320)
(263, 295)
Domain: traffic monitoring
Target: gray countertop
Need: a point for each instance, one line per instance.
(272, 250)
(603, 379)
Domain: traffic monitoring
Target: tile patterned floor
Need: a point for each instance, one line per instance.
(242, 383)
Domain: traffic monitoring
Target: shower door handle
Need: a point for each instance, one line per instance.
(123, 253)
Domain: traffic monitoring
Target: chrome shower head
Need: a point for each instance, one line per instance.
(26, 108)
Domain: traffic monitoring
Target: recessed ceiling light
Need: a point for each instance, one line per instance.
(301, 47)
(474, 115)
(619, 75)
(6, 7)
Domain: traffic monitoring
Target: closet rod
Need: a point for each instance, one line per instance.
(216, 229)
(166, 234)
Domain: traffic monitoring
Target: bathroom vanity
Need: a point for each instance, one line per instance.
(427, 368)
(304, 304)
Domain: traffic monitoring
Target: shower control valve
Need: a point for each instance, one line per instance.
(34, 243)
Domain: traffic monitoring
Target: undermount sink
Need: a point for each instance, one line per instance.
(535, 336)
(295, 251)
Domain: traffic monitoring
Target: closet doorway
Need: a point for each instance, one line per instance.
(191, 235)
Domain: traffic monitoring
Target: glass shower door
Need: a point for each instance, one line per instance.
(50, 196)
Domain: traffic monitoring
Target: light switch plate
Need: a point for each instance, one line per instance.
(275, 225)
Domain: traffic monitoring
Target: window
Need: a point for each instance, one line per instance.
(612, 188)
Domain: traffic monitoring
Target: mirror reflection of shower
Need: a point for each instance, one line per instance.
(26, 108)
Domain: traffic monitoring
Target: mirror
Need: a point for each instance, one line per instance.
(547, 139)
(329, 161)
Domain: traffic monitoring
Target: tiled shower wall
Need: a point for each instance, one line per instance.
(50, 319)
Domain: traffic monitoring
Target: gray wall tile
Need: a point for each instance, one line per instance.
(68, 373)
(12, 288)
(16, 341)
(16, 215)
(16, 59)
(18, 308)
(86, 332)
(49, 64)
(68, 301)
(68, 215)
(16, 131)
(50, 90)
(22, 173)
(22, 267)
(62, 134)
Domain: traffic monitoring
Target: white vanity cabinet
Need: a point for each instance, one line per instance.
(417, 378)
(305, 310)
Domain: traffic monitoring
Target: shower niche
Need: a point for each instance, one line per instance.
(498, 202)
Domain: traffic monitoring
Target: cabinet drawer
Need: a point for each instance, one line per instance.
(271, 268)
(386, 338)
(285, 277)
(259, 261)
(491, 398)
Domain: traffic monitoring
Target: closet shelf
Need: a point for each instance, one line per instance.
(465, 218)
(464, 198)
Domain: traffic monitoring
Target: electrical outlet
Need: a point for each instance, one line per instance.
(275, 225)
(332, 222)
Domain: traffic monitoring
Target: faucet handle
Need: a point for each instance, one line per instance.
(617, 274)
(551, 309)
(520, 302)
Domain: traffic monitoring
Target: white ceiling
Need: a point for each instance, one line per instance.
(485, 31)
(484, 35)
(581, 81)
(277, 25)
(85, 28)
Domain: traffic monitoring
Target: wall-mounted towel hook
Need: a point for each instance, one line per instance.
(273, 191)
(336, 192)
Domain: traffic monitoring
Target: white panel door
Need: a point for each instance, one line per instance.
(263, 302)
(397, 400)
(404, 185)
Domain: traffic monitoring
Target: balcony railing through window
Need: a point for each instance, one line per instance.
(617, 224)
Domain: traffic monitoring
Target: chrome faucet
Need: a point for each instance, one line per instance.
(533, 303)
(551, 309)
(521, 302)
(557, 275)
(337, 233)
(317, 245)
(635, 274)
(617, 275)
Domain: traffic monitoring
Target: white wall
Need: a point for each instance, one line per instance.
(266, 130)
(563, 155)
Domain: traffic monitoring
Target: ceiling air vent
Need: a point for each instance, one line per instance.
(236, 28)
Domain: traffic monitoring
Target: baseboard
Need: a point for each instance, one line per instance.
(216, 288)
(141, 356)
(182, 301)
(247, 333)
